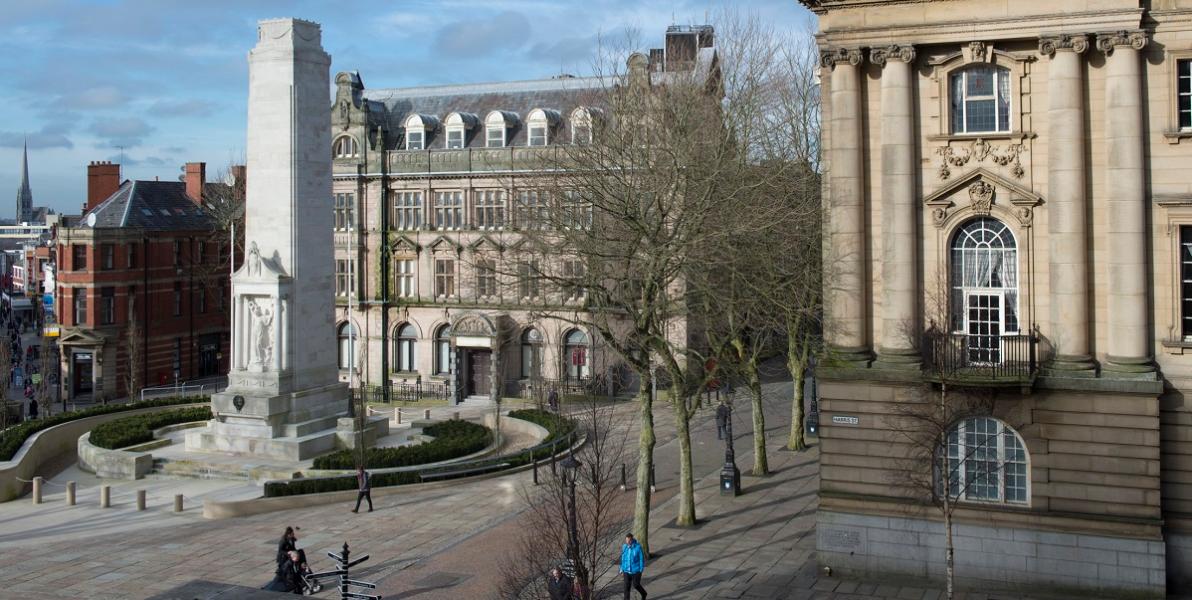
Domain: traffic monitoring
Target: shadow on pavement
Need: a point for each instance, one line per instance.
(210, 590)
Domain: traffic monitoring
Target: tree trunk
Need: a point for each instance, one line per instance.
(949, 553)
(761, 465)
(798, 439)
(686, 516)
(645, 466)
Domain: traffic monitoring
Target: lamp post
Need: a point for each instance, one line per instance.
(570, 468)
(730, 476)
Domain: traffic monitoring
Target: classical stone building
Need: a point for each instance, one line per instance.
(1013, 178)
(431, 186)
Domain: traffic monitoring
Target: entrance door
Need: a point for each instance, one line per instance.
(81, 369)
(479, 365)
(208, 360)
(984, 327)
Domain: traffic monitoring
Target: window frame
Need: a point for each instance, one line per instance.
(531, 353)
(448, 215)
(445, 277)
(443, 360)
(489, 138)
(344, 207)
(107, 306)
(345, 336)
(407, 210)
(960, 489)
(78, 257)
(573, 372)
(486, 278)
(421, 137)
(998, 74)
(107, 253)
(1181, 91)
(406, 279)
(352, 146)
(405, 348)
(489, 208)
(456, 144)
(79, 304)
(343, 277)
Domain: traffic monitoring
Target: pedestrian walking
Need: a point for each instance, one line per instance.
(722, 415)
(552, 399)
(32, 409)
(365, 486)
(633, 562)
(559, 585)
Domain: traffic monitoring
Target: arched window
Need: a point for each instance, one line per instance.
(581, 126)
(345, 147)
(496, 127)
(418, 128)
(404, 347)
(531, 354)
(346, 335)
(539, 124)
(458, 125)
(443, 350)
(575, 353)
(980, 99)
(986, 461)
(984, 282)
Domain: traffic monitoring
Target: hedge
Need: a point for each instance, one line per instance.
(453, 439)
(14, 437)
(138, 429)
(559, 434)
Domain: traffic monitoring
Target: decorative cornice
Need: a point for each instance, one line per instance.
(834, 56)
(903, 52)
(1136, 39)
(1050, 44)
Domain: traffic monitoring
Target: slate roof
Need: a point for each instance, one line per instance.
(153, 205)
(563, 94)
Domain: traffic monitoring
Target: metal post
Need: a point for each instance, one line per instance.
(37, 481)
(623, 480)
(553, 471)
(535, 463)
(730, 476)
(70, 493)
(140, 499)
(177, 503)
(572, 529)
(105, 496)
(653, 486)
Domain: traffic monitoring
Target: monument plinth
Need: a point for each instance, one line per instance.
(284, 396)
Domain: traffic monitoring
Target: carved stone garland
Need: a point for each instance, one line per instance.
(977, 152)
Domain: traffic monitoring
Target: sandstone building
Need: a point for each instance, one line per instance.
(1012, 176)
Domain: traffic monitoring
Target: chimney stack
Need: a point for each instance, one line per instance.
(239, 177)
(103, 179)
(196, 176)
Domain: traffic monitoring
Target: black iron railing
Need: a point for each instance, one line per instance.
(972, 358)
(404, 392)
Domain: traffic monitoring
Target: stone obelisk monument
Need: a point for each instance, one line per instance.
(284, 398)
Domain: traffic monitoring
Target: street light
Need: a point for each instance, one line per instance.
(571, 468)
(730, 476)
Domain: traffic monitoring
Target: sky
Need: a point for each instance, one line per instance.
(154, 84)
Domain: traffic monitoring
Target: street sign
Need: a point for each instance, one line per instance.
(360, 596)
(843, 420)
(364, 584)
(344, 563)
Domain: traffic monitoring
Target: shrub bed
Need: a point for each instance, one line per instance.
(559, 434)
(453, 439)
(138, 429)
(14, 437)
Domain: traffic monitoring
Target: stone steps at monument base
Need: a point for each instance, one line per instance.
(164, 468)
(476, 402)
(312, 426)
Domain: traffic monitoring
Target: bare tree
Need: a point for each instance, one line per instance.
(6, 373)
(601, 512)
(224, 204)
(134, 352)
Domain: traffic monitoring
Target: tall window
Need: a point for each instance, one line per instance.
(415, 139)
(443, 350)
(201, 299)
(490, 209)
(1184, 92)
(531, 354)
(528, 277)
(531, 210)
(78, 257)
(80, 305)
(200, 251)
(573, 276)
(345, 336)
(407, 210)
(107, 305)
(344, 147)
(986, 462)
(404, 352)
(345, 211)
(980, 98)
(1186, 280)
(575, 353)
(581, 126)
(486, 278)
(177, 298)
(405, 278)
(444, 278)
(577, 210)
(132, 255)
(449, 208)
(343, 277)
(984, 282)
(108, 255)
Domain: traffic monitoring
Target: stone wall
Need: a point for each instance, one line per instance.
(113, 464)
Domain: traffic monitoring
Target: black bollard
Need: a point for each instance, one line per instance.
(623, 481)
(552, 464)
(653, 487)
(535, 463)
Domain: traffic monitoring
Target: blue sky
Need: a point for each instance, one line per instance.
(166, 79)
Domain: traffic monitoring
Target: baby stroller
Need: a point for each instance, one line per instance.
(294, 578)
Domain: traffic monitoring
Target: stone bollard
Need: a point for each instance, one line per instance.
(397, 416)
(426, 414)
(71, 488)
(455, 415)
(177, 502)
(140, 499)
(105, 496)
(37, 481)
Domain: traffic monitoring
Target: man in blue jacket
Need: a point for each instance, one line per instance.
(632, 565)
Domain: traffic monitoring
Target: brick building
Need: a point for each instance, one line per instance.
(143, 251)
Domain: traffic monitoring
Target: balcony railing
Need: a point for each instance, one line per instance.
(981, 359)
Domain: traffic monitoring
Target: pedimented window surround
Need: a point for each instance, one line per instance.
(977, 53)
(1173, 212)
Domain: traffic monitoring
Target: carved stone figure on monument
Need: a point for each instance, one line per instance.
(263, 328)
(254, 261)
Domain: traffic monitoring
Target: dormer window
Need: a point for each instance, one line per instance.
(980, 99)
(458, 125)
(345, 147)
(417, 127)
(539, 124)
(496, 127)
(581, 125)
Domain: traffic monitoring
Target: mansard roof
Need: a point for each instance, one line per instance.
(153, 205)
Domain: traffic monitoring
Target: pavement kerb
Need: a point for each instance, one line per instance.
(215, 509)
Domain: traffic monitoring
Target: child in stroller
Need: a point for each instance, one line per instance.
(292, 568)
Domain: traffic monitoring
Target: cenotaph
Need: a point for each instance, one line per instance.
(284, 399)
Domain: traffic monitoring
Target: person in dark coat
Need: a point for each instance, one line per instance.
(723, 412)
(32, 409)
(559, 585)
(365, 486)
(287, 545)
(288, 577)
(552, 399)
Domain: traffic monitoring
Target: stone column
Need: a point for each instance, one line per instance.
(846, 290)
(1067, 204)
(1129, 351)
(898, 347)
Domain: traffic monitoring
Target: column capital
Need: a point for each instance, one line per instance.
(1050, 44)
(831, 57)
(1136, 39)
(903, 52)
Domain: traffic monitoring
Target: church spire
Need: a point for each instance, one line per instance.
(24, 194)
